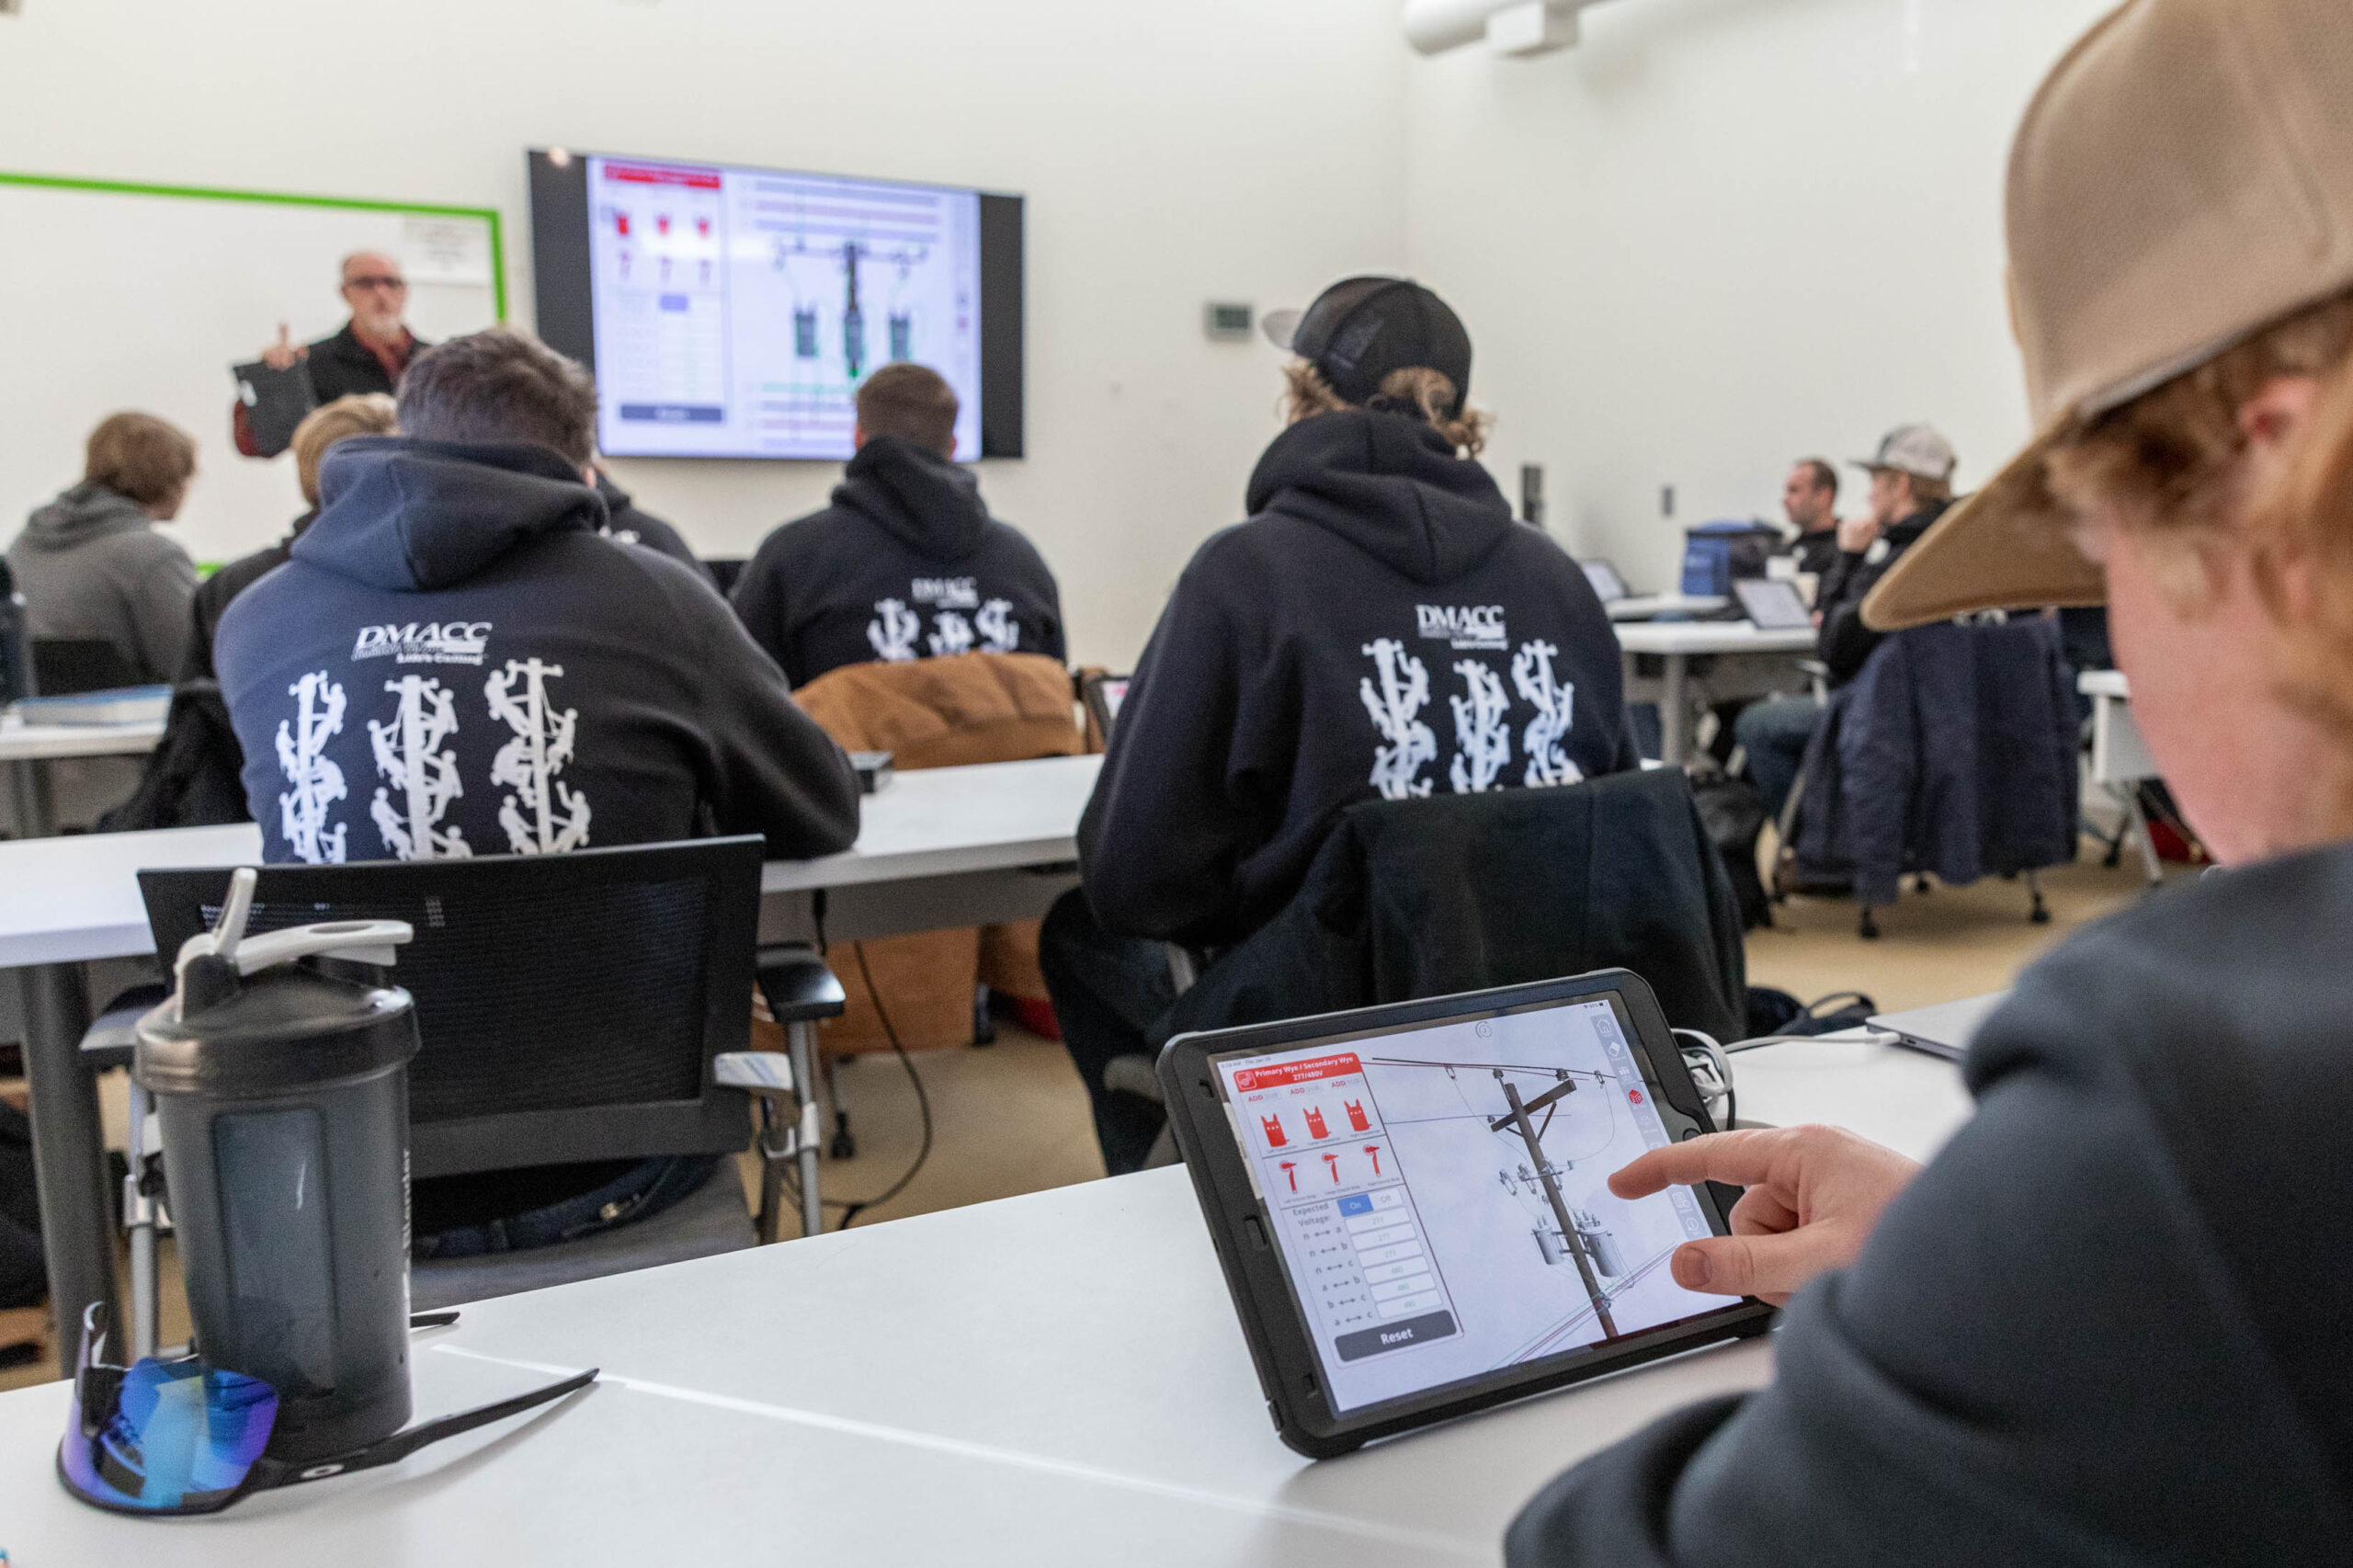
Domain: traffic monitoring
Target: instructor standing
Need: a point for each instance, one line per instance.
(367, 356)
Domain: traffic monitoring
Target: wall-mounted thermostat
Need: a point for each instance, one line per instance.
(1225, 320)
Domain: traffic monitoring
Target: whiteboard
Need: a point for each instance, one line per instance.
(140, 297)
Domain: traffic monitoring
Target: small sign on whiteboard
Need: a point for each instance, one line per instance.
(446, 250)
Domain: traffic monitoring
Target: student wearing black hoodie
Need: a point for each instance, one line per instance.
(907, 564)
(455, 661)
(1380, 627)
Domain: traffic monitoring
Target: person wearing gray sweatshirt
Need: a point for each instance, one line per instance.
(92, 566)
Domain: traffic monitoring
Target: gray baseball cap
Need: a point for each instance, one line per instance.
(1916, 449)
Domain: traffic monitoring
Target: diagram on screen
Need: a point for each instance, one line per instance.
(738, 310)
(1442, 1196)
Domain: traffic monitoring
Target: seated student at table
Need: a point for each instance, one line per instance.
(1810, 498)
(2106, 1323)
(1911, 488)
(454, 662)
(633, 524)
(357, 414)
(907, 564)
(1379, 627)
(90, 563)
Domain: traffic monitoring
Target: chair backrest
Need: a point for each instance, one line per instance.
(65, 665)
(569, 1005)
(1411, 899)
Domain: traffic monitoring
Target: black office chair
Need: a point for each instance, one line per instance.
(572, 1009)
(61, 666)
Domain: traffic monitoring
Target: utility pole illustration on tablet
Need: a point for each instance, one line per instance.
(1562, 1234)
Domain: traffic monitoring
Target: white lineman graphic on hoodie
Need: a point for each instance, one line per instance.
(544, 815)
(954, 636)
(408, 753)
(317, 782)
(893, 630)
(1482, 735)
(1531, 673)
(1395, 707)
(1000, 633)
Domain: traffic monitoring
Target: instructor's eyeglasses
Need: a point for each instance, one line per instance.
(178, 1438)
(378, 280)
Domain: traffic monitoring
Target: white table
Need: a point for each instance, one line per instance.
(1752, 661)
(2121, 758)
(27, 748)
(1648, 607)
(1050, 1380)
(938, 847)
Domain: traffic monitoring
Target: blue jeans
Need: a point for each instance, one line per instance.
(1775, 732)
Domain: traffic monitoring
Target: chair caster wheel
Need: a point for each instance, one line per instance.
(2040, 916)
(842, 1146)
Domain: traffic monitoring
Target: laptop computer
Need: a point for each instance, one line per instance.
(1608, 586)
(1943, 1030)
(1774, 604)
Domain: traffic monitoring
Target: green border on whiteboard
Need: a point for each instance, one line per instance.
(287, 198)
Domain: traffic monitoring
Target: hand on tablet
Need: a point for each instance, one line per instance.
(1814, 1194)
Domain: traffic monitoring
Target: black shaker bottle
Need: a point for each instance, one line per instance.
(280, 1073)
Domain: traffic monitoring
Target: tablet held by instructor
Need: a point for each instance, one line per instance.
(367, 356)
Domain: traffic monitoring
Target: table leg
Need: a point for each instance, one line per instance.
(69, 1147)
(1674, 712)
(801, 1043)
(36, 816)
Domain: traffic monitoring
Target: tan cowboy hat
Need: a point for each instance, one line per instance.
(2183, 180)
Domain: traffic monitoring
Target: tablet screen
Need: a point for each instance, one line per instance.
(1438, 1196)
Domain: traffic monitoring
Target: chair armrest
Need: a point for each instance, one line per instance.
(756, 1072)
(798, 986)
(113, 1034)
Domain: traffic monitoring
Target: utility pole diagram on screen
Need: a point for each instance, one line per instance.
(737, 310)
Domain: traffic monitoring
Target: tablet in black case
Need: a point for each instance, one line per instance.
(1411, 1205)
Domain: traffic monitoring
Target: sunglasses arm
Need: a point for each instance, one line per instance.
(268, 1473)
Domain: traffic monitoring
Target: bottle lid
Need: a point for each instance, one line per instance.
(263, 1017)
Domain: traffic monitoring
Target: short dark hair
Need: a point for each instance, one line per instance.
(140, 457)
(499, 385)
(1825, 476)
(912, 401)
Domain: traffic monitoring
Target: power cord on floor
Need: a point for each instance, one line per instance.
(923, 1101)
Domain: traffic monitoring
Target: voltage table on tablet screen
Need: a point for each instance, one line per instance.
(1440, 1196)
(737, 310)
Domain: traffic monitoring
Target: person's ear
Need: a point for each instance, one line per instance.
(2279, 409)
(856, 437)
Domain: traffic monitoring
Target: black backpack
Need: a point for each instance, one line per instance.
(194, 777)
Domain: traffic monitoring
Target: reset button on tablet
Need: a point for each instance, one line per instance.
(1395, 1335)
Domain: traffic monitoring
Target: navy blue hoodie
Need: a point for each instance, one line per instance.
(1380, 627)
(907, 564)
(455, 661)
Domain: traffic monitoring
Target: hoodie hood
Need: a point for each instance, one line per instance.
(1390, 485)
(923, 500)
(414, 515)
(81, 513)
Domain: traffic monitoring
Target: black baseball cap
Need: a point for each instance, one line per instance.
(1361, 329)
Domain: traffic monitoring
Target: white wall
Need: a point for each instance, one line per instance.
(1229, 148)
(1723, 235)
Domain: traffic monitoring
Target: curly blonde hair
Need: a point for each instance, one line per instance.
(2168, 465)
(1426, 393)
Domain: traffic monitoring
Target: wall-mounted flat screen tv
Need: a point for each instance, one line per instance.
(733, 313)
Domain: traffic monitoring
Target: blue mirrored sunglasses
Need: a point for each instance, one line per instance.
(179, 1437)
